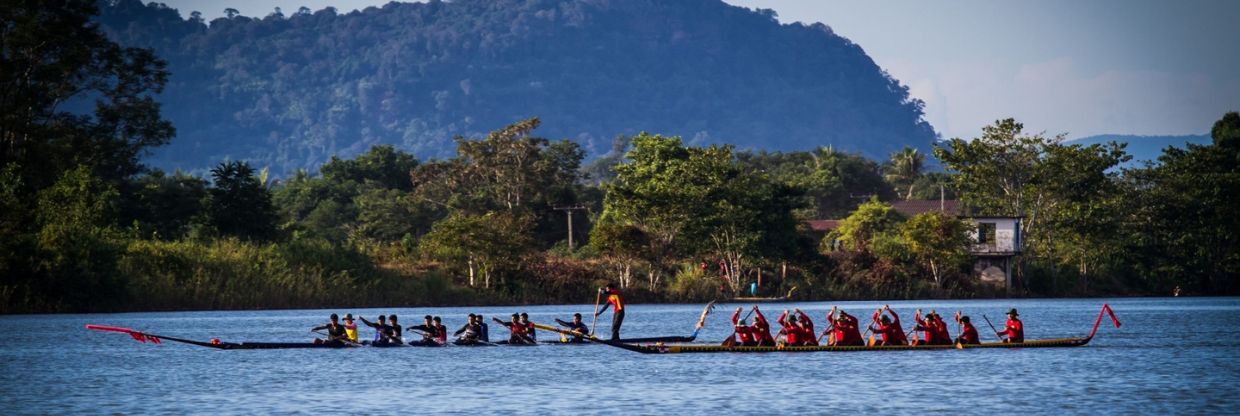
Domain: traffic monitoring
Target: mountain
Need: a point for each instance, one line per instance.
(1144, 148)
(290, 91)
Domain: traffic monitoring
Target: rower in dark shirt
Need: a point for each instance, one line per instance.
(485, 334)
(427, 330)
(335, 331)
(394, 332)
(383, 331)
(576, 326)
(469, 333)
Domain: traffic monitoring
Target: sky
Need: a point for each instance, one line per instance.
(1072, 67)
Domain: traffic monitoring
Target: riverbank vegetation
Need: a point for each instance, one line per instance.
(516, 218)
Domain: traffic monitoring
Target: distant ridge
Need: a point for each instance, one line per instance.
(1144, 148)
(291, 89)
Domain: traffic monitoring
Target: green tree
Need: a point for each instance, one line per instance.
(904, 168)
(938, 241)
(239, 205)
(863, 225)
(164, 206)
(383, 167)
(55, 57)
(483, 244)
(77, 244)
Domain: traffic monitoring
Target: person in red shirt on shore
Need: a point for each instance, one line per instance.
(742, 333)
(761, 329)
(889, 328)
(1014, 330)
(968, 334)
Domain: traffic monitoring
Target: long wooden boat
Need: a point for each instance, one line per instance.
(217, 344)
(783, 298)
(661, 348)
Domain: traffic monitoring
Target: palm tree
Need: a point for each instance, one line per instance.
(904, 168)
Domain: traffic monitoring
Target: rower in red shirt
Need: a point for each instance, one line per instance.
(889, 328)
(846, 331)
(742, 334)
(941, 336)
(806, 326)
(794, 332)
(1014, 330)
(968, 334)
(761, 329)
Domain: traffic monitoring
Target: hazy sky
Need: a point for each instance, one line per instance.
(1060, 66)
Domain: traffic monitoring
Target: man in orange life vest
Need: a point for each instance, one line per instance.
(1014, 330)
(617, 306)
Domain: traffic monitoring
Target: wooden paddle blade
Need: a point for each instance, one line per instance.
(871, 344)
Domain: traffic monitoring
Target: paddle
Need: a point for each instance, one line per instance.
(597, 297)
(992, 328)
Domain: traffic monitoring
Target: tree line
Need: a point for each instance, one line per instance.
(85, 226)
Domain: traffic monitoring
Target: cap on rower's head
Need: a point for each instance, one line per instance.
(792, 318)
(348, 317)
(334, 317)
(964, 319)
(1013, 312)
(884, 319)
(742, 322)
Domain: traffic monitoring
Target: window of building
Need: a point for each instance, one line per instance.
(986, 233)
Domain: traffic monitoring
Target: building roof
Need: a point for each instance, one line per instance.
(918, 206)
(823, 226)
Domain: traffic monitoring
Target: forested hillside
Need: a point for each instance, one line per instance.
(292, 89)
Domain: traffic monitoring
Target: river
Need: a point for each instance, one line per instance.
(1172, 355)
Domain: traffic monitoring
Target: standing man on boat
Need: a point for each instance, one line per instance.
(335, 331)
(617, 306)
(576, 326)
(968, 334)
(1014, 330)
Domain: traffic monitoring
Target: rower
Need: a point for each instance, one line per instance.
(742, 333)
(350, 328)
(529, 326)
(381, 328)
(484, 332)
(441, 332)
(761, 329)
(889, 328)
(518, 330)
(468, 334)
(846, 331)
(941, 336)
(806, 326)
(968, 334)
(394, 331)
(578, 328)
(617, 304)
(1014, 330)
(794, 329)
(427, 331)
(335, 331)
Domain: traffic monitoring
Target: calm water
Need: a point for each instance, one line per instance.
(1173, 355)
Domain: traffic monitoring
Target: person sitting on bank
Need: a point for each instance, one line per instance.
(1014, 329)
(578, 328)
(335, 331)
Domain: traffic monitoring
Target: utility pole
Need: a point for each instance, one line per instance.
(569, 210)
